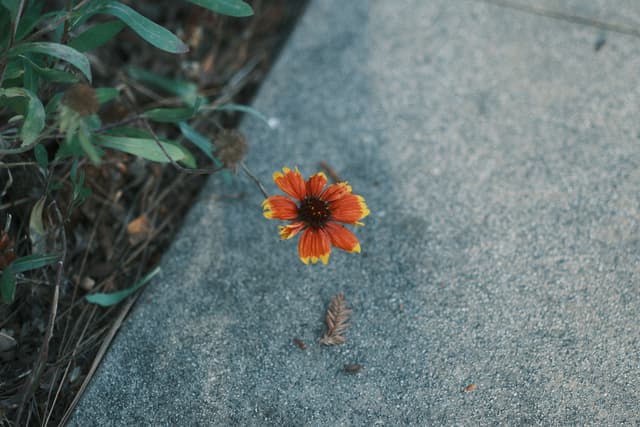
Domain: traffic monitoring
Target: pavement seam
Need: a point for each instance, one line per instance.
(562, 16)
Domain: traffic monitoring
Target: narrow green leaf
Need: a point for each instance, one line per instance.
(85, 142)
(30, 80)
(53, 103)
(96, 36)
(36, 226)
(33, 262)
(41, 156)
(153, 33)
(199, 140)
(130, 132)
(243, 109)
(236, 8)
(14, 70)
(31, 16)
(35, 115)
(189, 159)
(184, 89)
(8, 285)
(106, 300)
(56, 50)
(106, 94)
(169, 115)
(5, 22)
(146, 148)
(12, 6)
(50, 74)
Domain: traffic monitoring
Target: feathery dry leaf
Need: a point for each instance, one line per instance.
(336, 321)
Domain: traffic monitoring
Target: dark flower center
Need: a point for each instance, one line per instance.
(314, 212)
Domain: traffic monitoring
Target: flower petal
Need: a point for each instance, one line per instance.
(336, 191)
(316, 184)
(288, 231)
(291, 182)
(349, 208)
(279, 207)
(342, 238)
(314, 245)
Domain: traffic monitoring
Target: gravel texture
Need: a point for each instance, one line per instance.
(499, 153)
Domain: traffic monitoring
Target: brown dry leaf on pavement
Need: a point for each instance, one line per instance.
(336, 321)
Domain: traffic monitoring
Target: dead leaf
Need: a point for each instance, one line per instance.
(299, 343)
(139, 229)
(471, 387)
(353, 368)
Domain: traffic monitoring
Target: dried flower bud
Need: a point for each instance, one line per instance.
(231, 147)
(82, 99)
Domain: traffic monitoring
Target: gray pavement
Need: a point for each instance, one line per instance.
(499, 153)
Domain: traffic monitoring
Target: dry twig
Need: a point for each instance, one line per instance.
(336, 321)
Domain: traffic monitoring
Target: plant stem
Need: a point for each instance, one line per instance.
(254, 179)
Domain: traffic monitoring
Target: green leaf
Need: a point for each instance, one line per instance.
(130, 132)
(30, 80)
(185, 90)
(189, 159)
(243, 109)
(8, 285)
(36, 226)
(96, 36)
(35, 115)
(56, 50)
(85, 142)
(153, 33)
(50, 74)
(236, 8)
(12, 6)
(199, 140)
(32, 15)
(147, 148)
(106, 94)
(33, 262)
(5, 22)
(169, 115)
(106, 300)
(14, 70)
(42, 158)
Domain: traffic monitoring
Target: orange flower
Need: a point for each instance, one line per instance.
(316, 214)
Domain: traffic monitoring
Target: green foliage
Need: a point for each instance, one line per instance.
(96, 36)
(42, 59)
(150, 31)
(186, 91)
(33, 116)
(20, 265)
(236, 8)
(147, 148)
(106, 300)
(56, 50)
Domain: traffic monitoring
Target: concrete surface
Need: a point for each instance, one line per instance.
(499, 153)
